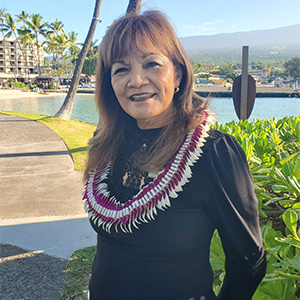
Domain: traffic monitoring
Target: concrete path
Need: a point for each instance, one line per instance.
(41, 210)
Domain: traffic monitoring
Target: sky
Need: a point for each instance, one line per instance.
(190, 17)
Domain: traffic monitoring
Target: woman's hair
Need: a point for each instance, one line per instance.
(150, 31)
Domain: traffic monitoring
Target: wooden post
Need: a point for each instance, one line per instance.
(244, 84)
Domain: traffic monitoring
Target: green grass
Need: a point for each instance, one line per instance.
(78, 274)
(75, 134)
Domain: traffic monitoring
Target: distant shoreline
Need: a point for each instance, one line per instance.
(6, 94)
(258, 94)
(226, 94)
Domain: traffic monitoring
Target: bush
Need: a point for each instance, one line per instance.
(52, 86)
(272, 148)
(21, 85)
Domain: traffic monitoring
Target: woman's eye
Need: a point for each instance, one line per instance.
(120, 70)
(152, 64)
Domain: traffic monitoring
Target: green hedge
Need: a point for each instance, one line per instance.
(272, 148)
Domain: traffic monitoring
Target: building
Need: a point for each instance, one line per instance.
(19, 63)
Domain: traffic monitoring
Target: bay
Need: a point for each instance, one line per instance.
(85, 108)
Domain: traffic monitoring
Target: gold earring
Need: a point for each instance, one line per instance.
(176, 90)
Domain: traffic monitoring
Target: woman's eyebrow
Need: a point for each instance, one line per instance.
(149, 54)
(119, 62)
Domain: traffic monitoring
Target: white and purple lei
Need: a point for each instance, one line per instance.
(106, 211)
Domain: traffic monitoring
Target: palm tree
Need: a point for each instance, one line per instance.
(89, 66)
(2, 19)
(25, 41)
(23, 17)
(134, 6)
(72, 36)
(74, 50)
(66, 109)
(51, 48)
(56, 28)
(37, 25)
(63, 44)
(11, 28)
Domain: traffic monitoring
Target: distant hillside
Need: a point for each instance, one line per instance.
(272, 44)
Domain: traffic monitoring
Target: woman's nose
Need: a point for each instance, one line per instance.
(137, 79)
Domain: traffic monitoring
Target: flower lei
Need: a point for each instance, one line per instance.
(107, 211)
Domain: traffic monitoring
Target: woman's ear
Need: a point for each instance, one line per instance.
(178, 77)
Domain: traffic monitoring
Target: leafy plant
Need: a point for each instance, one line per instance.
(272, 148)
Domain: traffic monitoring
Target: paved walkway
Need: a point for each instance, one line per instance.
(41, 211)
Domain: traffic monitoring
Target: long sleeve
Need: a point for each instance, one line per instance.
(233, 209)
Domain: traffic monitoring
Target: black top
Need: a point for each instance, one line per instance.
(168, 258)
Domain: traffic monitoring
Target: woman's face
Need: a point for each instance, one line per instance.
(144, 84)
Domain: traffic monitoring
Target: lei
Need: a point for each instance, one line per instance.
(106, 211)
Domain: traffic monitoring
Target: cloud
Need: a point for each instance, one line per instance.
(213, 22)
(198, 29)
(194, 28)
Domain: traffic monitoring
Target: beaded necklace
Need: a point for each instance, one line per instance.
(106, 211)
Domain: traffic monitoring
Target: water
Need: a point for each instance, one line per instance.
(85, 108)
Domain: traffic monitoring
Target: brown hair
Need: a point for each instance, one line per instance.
(152, 31)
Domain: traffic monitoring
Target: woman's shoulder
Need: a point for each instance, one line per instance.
(216, 137)
(221, 147)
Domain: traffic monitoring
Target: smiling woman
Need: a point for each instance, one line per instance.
(145, 85)
(159, 180)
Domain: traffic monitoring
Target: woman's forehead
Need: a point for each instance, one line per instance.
(138, 53)
(139, 43)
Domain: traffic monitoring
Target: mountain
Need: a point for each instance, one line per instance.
(278, 43)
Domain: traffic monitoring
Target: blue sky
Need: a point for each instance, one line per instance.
(190, 17)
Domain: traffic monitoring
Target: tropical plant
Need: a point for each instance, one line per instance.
(73, 49)
(55, 29)
(89, 66)
(272, 149)
(134, 6)
(27, 42)
(66, 109)
(11, 82)
(23, 17)
(38, 27)
(292, 68)
(10, 27)
(2, 19)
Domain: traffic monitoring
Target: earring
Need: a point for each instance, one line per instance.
(176, 90)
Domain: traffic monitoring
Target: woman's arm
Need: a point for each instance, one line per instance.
(233, 209)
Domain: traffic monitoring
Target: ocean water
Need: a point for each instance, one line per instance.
(85, 108)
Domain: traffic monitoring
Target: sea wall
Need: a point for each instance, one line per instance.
(213, 94)
(258, 95)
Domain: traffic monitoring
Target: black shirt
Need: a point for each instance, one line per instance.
(168, 257)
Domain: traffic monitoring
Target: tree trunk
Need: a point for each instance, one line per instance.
(66, 109)
(134, 6)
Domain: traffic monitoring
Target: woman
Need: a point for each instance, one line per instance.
(160, 181)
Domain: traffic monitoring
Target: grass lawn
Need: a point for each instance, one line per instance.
(75, 134)
(78, 273)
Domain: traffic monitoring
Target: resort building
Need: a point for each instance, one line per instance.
(19, 62)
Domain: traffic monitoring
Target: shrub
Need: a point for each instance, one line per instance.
(21, 85)
(272, 148)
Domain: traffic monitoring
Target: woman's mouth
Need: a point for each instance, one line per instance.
(141, 97)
